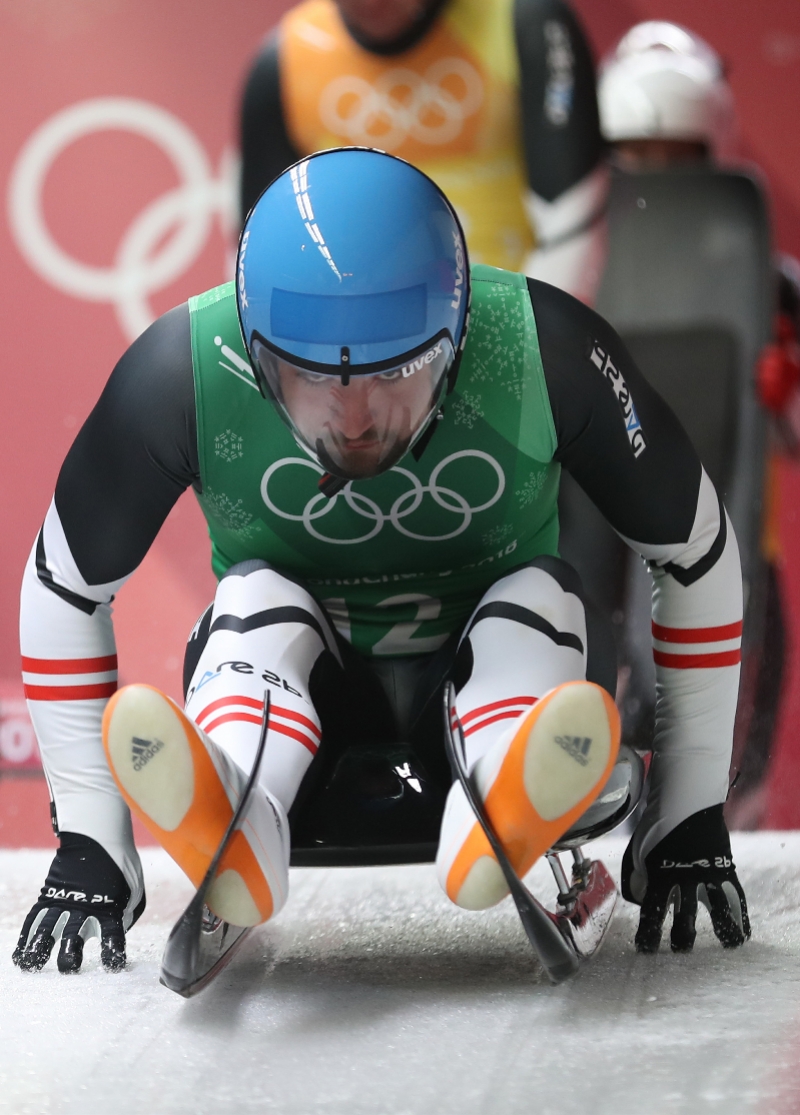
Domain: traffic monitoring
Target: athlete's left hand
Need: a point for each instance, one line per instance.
(692, 862)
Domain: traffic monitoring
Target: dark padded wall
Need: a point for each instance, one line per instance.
(689, 255)
(695, 371)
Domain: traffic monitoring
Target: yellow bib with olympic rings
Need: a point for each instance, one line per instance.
(449, 105)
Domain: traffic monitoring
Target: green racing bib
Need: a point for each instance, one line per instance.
(399, 560)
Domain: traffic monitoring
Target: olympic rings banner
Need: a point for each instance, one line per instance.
(164, 239)
(118, 164)
(119, 171)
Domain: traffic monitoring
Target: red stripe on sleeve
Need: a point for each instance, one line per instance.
(697, 661)
(697, 634)
(70, 692)
(69, 665)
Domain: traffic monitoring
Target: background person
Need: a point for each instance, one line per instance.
(494, 100)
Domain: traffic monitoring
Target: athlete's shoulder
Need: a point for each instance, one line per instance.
(491, 286)
(562, 315)
(224, 293)
(484, 272)
(488, 285)
(223, 375)
(570, 333)
(501, 371)
(214, 312)
(154, 376)
(147, 407)
(558, 309)
(162, 353)
(217, 340)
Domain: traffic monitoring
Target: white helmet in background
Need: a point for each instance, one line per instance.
(664, 82)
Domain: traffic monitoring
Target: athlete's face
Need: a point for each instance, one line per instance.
(363, 426)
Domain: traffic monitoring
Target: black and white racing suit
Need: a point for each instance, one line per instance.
(137, 452)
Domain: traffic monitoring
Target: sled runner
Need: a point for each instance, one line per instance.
(575, 931)
(200, 944)
(380, 806)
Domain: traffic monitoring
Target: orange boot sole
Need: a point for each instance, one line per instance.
(547, 779)
(169, 781)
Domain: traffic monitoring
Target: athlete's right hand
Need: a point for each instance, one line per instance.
(84, 895)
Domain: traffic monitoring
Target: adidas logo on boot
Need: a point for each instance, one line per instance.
(535, 781)
(576, 746)
(143, 751)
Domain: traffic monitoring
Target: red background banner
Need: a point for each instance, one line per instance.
(137, 186)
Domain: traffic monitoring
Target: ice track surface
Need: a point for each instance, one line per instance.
(370, 994)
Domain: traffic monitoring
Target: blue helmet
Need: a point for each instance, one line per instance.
(352, 287)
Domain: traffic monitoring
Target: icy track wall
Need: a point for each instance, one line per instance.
(118, 169)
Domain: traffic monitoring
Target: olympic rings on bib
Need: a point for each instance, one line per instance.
(405, 505)
(401, 104)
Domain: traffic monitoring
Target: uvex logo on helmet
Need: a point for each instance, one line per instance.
(418, 364)
(458, 289)
(242, 254)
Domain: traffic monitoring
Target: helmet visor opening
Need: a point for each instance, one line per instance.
(358, 424)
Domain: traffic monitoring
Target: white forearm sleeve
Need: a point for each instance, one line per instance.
(69, 671)
(697, 629)
(570, 236)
